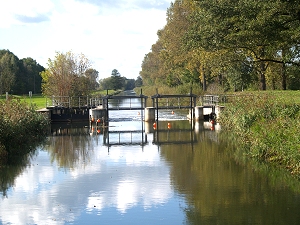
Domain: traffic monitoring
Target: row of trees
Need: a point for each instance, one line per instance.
(68, 74)
(117, 82)
(233, 44)
(19, 76)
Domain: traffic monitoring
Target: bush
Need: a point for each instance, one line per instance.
(20, 128)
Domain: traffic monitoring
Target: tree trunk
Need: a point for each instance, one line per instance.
(283, 77)
(262, 71)
(283, 72)
(203, 77)
(263, 85)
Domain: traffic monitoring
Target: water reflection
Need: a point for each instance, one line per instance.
(83, 177)
(69, 144)
(13, 168)
(175, 173)
(221, 191)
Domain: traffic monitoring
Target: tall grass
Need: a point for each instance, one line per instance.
(267, 127)
(20, 128)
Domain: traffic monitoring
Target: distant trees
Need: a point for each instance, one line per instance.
(234, 44)
(19, 76)
(117, 82)
(69, 75)
(138, 82)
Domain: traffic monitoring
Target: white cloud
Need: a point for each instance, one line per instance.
(113, 35)
(13, 11)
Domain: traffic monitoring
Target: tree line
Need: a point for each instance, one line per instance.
(68, 74)
(118, 82)
(228, 45)
(19, 76)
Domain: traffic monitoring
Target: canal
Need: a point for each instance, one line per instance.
(132, 172)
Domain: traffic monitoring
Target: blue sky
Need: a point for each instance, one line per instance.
(111, 34)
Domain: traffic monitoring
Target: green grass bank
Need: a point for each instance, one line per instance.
(38, 101)
(266, 126)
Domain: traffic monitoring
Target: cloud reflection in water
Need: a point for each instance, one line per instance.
(123, 178)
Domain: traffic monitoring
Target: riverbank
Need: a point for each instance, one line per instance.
(39, 101)
(266, 126)
(21, 128)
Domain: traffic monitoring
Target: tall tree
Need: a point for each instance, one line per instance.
(9, 67)
(152, 66)
(116, 80)
(65, 75)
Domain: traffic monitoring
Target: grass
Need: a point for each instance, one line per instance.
(287, 96)
(38, 101)
(266, 127)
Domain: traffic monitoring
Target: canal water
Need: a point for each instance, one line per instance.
(132, 172)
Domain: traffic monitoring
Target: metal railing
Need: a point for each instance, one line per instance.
(74, 102)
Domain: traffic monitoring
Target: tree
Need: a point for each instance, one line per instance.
(105, 83)
(66, 75)
(152, 66)
(129, 84)
(138, 81)
(260, 29)
(28, 79)
(116, 80)
(92, 76)
(9, 67)
(238, 44)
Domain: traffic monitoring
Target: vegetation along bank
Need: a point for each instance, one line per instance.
(21, 128)
(266, 126)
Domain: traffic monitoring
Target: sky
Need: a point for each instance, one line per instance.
(112, 34)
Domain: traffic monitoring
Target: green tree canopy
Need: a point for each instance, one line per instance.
(9, 67)
(235, 43)
(117, 81)
(29, 78)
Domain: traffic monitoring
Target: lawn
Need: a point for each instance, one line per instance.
(39, 101)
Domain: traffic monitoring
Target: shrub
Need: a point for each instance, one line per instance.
(20, 128)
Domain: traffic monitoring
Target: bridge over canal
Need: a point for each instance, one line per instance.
(70, 109)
